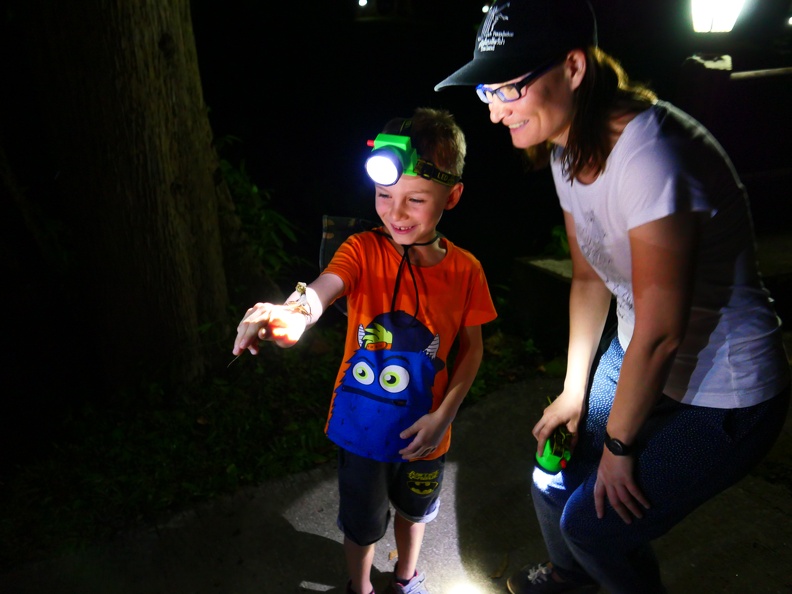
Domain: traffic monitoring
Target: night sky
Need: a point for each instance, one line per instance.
(304, 88)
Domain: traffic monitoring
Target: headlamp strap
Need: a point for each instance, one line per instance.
(404, 129)
(428, 170)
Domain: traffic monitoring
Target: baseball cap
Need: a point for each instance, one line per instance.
(518, 36)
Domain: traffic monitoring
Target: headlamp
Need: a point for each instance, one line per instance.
(394, 156)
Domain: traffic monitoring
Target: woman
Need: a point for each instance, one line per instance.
(694, 389)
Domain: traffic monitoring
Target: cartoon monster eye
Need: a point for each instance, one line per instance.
(363, 373)
(394, 379)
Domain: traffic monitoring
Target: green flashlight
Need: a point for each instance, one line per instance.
(556, 453)
(557, 449)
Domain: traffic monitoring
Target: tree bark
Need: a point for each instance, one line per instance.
(120, 89)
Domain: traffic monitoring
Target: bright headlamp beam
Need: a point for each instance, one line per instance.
(393, 155)
(384, 168)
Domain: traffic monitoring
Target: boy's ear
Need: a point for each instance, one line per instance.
(454, 195)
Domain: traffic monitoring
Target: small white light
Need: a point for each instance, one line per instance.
(715, 16)
(362, 3)
(485, 8)
(542, 479)
(382, 170)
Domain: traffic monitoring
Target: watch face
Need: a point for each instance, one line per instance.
(616, 446)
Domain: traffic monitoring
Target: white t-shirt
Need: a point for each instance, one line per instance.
(665, 162)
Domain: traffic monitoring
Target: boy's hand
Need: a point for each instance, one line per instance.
(428, 431)
(266, 321)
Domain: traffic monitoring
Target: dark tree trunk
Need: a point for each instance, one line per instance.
(136, 183)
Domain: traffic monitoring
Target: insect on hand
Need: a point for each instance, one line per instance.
(301, 304)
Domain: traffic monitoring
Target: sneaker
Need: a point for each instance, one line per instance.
(416, 586)
(538, 580)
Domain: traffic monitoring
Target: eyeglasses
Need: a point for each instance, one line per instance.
(513, 91)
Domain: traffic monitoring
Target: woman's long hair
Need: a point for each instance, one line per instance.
(605, 91)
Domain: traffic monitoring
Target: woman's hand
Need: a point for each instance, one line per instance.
(265, 321)
(563, 411)
(615, 481)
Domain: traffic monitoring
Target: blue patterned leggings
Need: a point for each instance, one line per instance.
(686, 455)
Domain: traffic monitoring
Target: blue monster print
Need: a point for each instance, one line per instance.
(386, 387)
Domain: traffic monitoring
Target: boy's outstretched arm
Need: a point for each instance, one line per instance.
(429, 429)
(284, 324)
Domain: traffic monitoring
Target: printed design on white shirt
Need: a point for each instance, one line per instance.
(591, 238)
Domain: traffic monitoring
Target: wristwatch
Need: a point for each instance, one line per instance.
(616, 446)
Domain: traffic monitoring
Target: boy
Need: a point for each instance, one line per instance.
(410, 295)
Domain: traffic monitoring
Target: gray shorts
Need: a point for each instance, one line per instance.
(367, 488)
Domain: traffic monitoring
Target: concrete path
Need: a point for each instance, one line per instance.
(281, 537)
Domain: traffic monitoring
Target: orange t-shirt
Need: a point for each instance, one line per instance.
(395, 362)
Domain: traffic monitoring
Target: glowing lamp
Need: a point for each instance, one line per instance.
(715, 16)
(393, 155)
